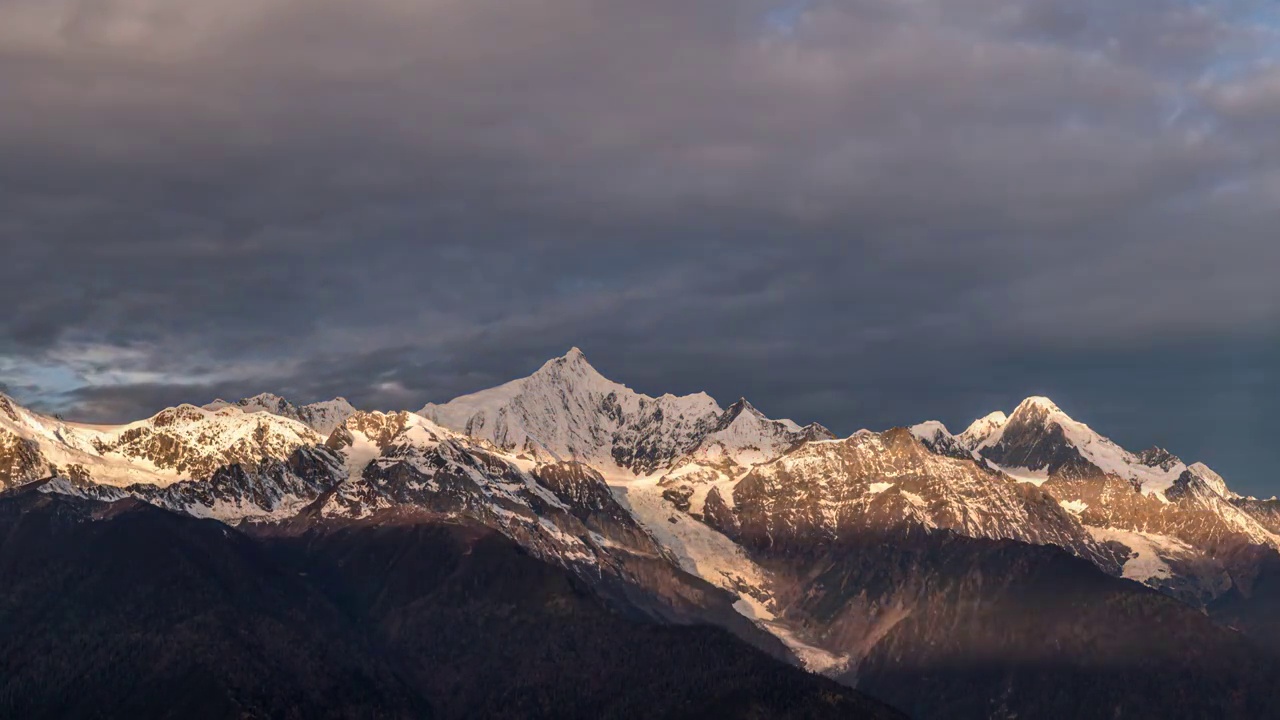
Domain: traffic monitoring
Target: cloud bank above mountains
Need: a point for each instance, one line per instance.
(862, 213)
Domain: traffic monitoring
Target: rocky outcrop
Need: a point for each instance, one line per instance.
(824, 492)
(323, 417)
(20, 460)
(270, 488)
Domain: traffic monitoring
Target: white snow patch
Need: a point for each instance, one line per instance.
(1035, 477)
(1147, 564)
(1075, 507)
(814, 659)
(930, 430)
(715, 558)
(912, 498)
(699, 549)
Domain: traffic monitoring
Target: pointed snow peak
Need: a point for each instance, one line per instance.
(817, 431)
(980, 430)
(266, 399)
(996, 418)
(929, 430)
(739, 409)
(572, 364)
(338, 402)
(1211, 479)
(1039, 404)
(1038, 411)
(575, 356)
(262, 401)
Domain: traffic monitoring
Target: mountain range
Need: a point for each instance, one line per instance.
(1027, 566)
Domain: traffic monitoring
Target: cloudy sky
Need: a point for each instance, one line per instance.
(861, 212)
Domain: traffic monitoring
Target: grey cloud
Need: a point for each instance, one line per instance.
(851, 220)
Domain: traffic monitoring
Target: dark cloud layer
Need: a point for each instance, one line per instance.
(865, 212)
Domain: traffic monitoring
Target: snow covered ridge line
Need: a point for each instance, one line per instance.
(679, 479)
(1039, 440)
(323, 417)
(567, 410)
(176, 444)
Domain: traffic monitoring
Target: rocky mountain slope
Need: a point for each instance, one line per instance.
(124, 610)
(857, 557)
(323, 417)
(179, 443)
(825, 491)
(1177, 524)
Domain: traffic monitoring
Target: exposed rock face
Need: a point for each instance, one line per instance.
(732, 518)
(271, 488)
(379, 428)
(194, 443)
(126, 610)
(1158, 457)
(935, 436)
(1266, 512)
(1039, 441)
(743, 437)
(563, 510)
(739, 440)
(20, 460)
(1189, 511)
(826, 491)
(1252, 604)
(580, 488)
(955, 627)
(323, 417)
(1171, 522)
(179, 443)
(1034, 439)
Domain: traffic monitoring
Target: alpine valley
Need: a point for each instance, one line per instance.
(563, 546)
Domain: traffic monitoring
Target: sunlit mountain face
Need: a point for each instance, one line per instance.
(874, 565)
(932, 359)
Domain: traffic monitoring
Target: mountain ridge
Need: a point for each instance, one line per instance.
(713, 511)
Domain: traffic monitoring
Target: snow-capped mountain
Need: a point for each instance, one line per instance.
(1039, 440)
(20, 458)
(270, 489)
(1175, 521)
(980, 429)
(682, 454)
(561, 509)
(323, 417)
(935, 436)
(568, 411)
(179, 443)
(743, 437)
(873, 482)
(725, 515)
(740, 439)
